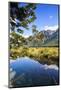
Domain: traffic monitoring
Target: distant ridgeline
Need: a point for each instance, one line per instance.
(42, 38)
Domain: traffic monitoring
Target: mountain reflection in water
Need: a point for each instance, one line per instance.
(28, 72)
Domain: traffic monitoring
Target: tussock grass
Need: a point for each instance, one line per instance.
(47, 55)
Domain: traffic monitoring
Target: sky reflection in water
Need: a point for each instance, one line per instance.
(28, 72)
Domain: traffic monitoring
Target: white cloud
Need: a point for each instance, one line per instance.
(12, 74)
(51, 17)
(53, 28)
(51, 67)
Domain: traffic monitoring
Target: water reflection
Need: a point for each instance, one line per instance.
(28, 72)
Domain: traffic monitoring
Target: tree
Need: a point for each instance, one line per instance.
(34, 30)
(21, 16)
(16, 40)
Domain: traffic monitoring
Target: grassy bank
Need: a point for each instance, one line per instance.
(47, 55)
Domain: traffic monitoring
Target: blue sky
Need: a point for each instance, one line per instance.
(47, 18)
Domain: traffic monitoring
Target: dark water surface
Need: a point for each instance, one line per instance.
(28, 72)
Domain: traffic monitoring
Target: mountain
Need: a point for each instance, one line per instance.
(44, 38)
(53, 39)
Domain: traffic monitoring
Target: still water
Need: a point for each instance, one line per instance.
(28, 72)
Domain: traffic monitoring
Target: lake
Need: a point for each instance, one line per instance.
(25, 71)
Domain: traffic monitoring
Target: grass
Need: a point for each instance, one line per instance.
(47, 55)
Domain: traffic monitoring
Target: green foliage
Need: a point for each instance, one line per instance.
(20, 17)
(16, 40)
(34, 30)
(23, 14)
(20, 31)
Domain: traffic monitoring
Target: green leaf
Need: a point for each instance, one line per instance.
(20, 31)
